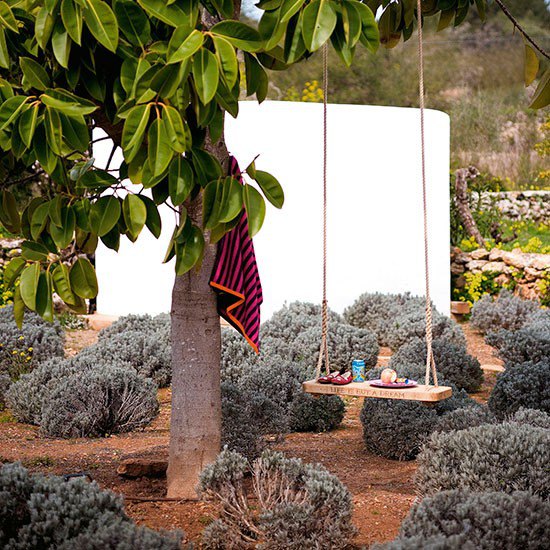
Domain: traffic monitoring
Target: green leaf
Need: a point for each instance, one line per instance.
(4, 53)
(104, 215)
(10, 110)
(29, 285)
(27, 125)
(133, 22)
(12, 270)
(256, 78)
(211, 203)
(67, 103)
(134, 130)
(102, 23)
(61, 44)
(39, 220)
(96, 179)
(445, 19)
(44, 303)
(319, 22)
(54, 130)
(158, 148)
(7, 19)
(18, 307)
(531, 65)
(153, 221)
(75, 132)
(370, 35)
(43, 27)
(206, 75)
(71, 15)
(255, 209)
(294, 47)
(541, 98)
(188, 254)
(34, 252)
(179, 141)
(167, 80)
(63, 236)
(240, 35)
(231, 200)
(227, 59)
(170, 13)
(289, 8)
(54, 210)
(206, 167)
(35, 75)
(112, 239)
(62, 285)
(9, 215)
(83, 279)
(184, 44)
(271, 188)
(44, 154)
(180, 180)
(135, 214)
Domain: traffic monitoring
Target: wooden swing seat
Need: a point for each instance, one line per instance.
(428, 394)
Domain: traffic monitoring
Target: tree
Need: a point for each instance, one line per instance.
(157, 76)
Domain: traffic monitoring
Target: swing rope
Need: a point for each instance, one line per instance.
(323, 353)
(430, 361)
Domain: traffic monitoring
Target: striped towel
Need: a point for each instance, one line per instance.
(235, 277)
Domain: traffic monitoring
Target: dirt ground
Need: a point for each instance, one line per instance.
(383, 490)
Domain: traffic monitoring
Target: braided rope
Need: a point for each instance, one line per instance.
(323, 352)
(430, 361)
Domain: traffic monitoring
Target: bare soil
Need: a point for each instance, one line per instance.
(383, 490)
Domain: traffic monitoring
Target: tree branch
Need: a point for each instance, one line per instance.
(516, 24)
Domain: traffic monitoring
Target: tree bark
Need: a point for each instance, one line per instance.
(463, 206)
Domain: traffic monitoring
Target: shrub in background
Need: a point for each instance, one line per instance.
(485, 520)
(140, 323)
(439, 542)
(5, 383)
(290, 321)
(37, 339)
(452, 361)
(493, 457)
(524, 385)
(38, 512)
(529, 343)
(345, 344)
(506, 311)
(147, 352)
(532, 417)
(300, 506)
(463, 419)
(98, 402)
(310, 414)
(375, 311)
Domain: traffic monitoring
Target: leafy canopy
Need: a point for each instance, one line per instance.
(157, 76)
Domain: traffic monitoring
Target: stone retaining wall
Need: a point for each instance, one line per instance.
(527, 270)
(8, 249)
(520, 205)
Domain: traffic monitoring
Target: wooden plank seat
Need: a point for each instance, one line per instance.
(423, 393)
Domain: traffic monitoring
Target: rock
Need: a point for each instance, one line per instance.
(457, 269)
(142, 467)
(475, 265)
(502, 280)
(541, 262)
(8, 244)
(479, 254)
(496, 254)
(531, 274)
(495, 267)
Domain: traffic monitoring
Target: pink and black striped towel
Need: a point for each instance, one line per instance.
(235, 277)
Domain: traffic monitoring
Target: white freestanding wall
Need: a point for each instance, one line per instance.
(375, 230)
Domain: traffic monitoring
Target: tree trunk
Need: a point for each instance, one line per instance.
(195, 425)
(463, 206)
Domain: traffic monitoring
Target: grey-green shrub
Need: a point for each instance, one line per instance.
(529, 343)
(375, 311)
(486, 520)
(503, 312)
(463, 419)
(98, 402)
(396, 429)
(148, 353)
(345, 343)
(45, 339)
(298, 506)
(493, 457)
(41, 513)
(439, 542)
(247, 416)
(5, 383)
(452, 362)
(291, 320)
(320, 414)
(26, 396)
(531, 416)
(524, 385)
(140, 323)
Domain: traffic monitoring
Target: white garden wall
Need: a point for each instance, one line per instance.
(375, 209)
